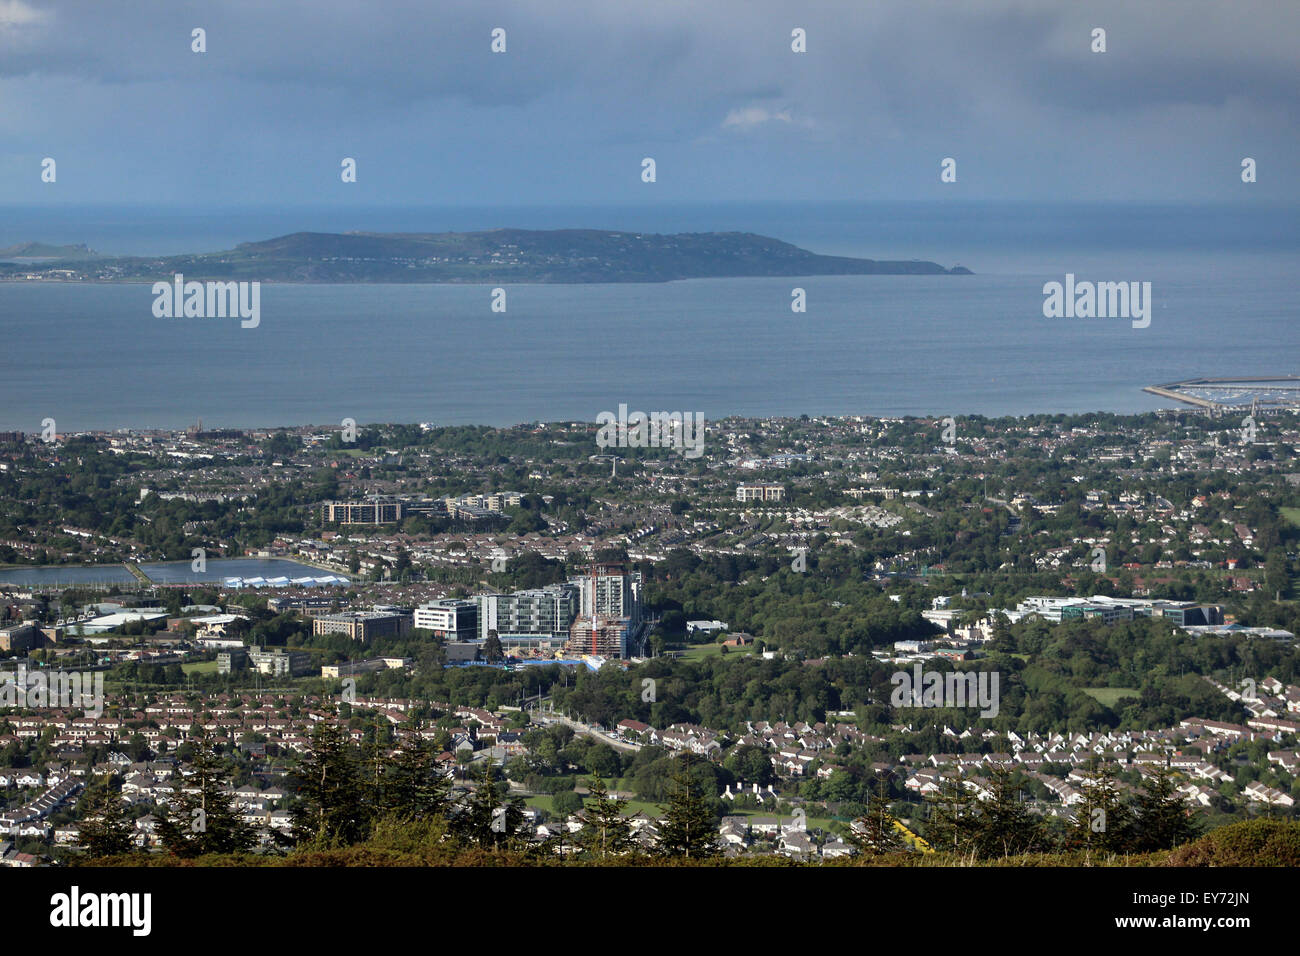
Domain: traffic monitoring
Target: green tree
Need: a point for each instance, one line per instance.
(204, 819)
(489, 820)
(331, 810)
(1102, 822)
(750, 764)
(1161, 817)
(951, 824)
(105, 828)
(403, 563)
(875, 834)
(688, 829)
(1277, 575)
(1005, 825)
(566, 803)
(606, 832)
(412, 787)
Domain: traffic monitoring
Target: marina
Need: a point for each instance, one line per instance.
(1218, 395)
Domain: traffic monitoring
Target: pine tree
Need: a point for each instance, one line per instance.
(1161, 818)
(1102, 822)
(875, 833)
(331, 809)
(688, 828)
(373, 754)
(204, 819)
(412, 787)
(487, 819)
(1006, 827)
(105, 828)
(606, 831)
(951, 825)
(1001, 637)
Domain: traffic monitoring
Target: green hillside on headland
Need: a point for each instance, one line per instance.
(497, 255)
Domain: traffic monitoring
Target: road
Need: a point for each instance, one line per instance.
(546, 718)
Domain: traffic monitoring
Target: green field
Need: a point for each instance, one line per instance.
(1107, 696)
(200, 667)
(543, 802)
(699, 652)
(1292, 515)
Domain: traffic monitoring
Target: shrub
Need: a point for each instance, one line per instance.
(1252, 843)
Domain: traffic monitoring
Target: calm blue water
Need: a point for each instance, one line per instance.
(181, 572)
(68, 576)
(1223, 278)
(168, 572)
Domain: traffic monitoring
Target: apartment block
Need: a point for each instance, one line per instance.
(376, 511)
(363, 625)
(760, 492)
(449, 620)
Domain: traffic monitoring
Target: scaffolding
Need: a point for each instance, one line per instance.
(600, 638)
(595, 633)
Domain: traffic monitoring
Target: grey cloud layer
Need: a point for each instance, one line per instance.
(896, 79)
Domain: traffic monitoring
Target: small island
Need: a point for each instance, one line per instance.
(497, 255)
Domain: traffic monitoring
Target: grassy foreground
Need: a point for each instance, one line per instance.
(1263, 843)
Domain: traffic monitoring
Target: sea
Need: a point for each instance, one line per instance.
(1223, 280)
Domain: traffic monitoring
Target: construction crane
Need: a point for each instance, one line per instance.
(594, 576)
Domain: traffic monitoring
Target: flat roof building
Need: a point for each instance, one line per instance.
(449, 619)
(760, 492)
(110, 622)
(235, 659)
(278, 662)
(20, 637)
(375, 511)
(353, 668)
(1111, 609)
(537, 620)
(363, 625)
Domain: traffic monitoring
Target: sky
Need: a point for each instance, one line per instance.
(586, 89)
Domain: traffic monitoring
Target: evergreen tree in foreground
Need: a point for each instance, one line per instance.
(1161, 817)
(1102, 822)
(606, 831)
(951, 824)
(330, 810)
(105, 828)
(412, 787)
(688, 829)
(875, 833)
(204, 818)
(1005, 826)
(487, 819)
